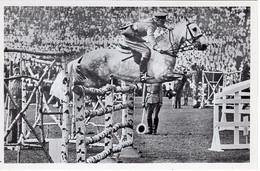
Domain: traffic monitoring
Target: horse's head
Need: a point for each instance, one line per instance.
(184, 36)
(194, 36)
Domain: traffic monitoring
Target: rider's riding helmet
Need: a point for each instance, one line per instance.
(160, 18)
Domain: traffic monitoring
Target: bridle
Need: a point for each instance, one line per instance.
(193, 38)
(185, 43)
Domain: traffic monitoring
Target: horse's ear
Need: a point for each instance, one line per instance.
(186, 19)
(194, 18)
(189, 20)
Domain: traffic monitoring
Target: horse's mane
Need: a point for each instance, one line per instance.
(175, 29)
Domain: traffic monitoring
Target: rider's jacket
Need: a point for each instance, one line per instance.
(138, 30)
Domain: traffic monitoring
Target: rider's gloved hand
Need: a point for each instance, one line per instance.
(156, 48)
(159, 50)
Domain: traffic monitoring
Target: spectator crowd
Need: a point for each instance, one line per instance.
(82, 29)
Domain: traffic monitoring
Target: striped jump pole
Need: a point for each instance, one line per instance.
(66, 116)
(128, 132)
(79, 108)
(108, 146)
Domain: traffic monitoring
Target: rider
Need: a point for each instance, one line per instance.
(133, 38)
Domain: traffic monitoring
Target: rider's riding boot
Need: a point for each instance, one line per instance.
(150, 126)
(143, 69)
(155, 125)
(142, 77)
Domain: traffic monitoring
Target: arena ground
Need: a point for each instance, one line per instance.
(184, 137)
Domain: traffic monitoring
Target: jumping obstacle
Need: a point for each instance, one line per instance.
(213, 82)
(21, 114)
(24, 140)
(126, 140)
(84, 115)
(235, 101)
(108, 111)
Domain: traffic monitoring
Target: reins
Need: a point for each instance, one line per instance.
(184, 45)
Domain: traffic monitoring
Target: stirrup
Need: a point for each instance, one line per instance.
(144, 77)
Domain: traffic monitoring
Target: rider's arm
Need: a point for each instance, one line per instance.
(150, 34)
(151, 39)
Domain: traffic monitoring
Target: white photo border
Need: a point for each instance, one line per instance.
(173, 166)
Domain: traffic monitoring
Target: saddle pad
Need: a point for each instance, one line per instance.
(123, 49)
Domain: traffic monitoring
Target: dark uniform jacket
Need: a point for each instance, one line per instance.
(179, 85)
(154, 93)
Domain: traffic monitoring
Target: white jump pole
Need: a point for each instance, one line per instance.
(237, 117)
(202, 86)
(73, 120)
(124, 114)
(24, 100)
(37, 102)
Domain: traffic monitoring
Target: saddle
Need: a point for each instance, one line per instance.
(127, 50)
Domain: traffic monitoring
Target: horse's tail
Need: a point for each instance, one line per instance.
(56, 89)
